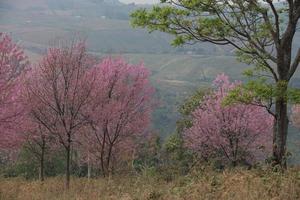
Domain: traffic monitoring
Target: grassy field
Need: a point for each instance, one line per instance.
(228, 185)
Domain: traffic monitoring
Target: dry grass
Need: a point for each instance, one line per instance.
(238, 184)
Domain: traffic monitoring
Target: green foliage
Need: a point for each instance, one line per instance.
(194, 20)
(187, 108)
(294, 95)
(171, 158)
(168, 18)
(192, 102)
(258, 89)
(178, 159)
(148, 157)
(251, 27)
(262, 92)
(27, 165)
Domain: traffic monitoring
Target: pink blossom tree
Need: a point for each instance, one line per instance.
(58, 90)
(12, 63)
(237, 132)
(119, 113)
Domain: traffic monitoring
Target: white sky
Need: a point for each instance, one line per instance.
(140, 1)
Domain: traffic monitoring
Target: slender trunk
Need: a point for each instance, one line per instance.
(108, 160)
(42, 162)
(280, 132)
(102, 155)
(236, 152)
(102, 159)
(233, 155)
(68, 151)
(89, 167)
(234, 163)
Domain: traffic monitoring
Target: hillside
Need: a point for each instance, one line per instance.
(176, 72)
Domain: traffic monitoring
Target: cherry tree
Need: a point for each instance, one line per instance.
(237, 132)
(12, 63)
(120, 111)
(59, 89)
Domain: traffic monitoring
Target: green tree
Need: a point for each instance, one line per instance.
(178, 156)
(148, 154)
(262, 32)
(188, 106)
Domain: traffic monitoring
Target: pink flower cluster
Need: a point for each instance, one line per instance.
(237, 132)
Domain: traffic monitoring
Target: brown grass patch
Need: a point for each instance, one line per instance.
(228, 185)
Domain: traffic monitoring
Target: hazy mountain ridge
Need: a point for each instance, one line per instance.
(66, 4)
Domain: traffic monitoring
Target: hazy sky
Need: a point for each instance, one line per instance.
(151, 1)
(140, 1)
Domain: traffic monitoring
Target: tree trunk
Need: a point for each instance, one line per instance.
(280, 132)
(103, 151)
(281, 107)
(89, 167)
(42, 162)
(102, 157)
(68, 149)
(108, 161)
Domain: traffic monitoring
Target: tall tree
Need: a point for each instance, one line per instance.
(238, 132)
(59, 89)
(12, 63)
(120, 111)
(261, 31)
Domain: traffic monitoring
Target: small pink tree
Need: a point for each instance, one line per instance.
(237, 133)
(12, 63)
(58, 91)
(119, 112)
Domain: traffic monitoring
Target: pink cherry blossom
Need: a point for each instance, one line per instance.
(12, 63)
(120, 111)
(58, 89)
(239, 132)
